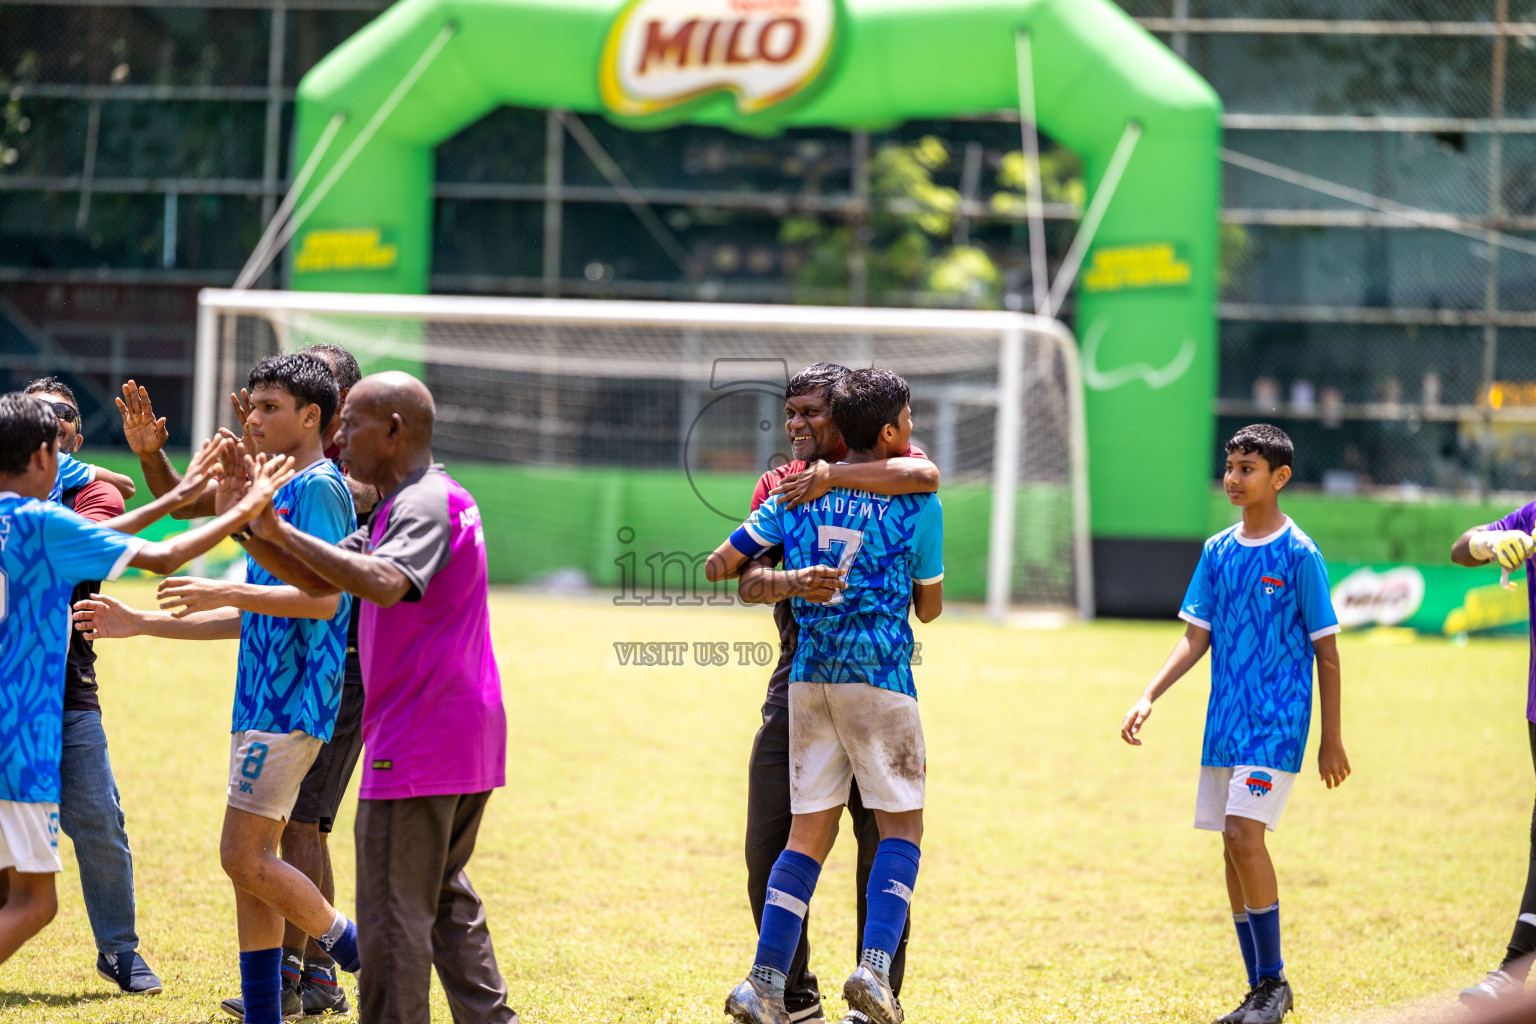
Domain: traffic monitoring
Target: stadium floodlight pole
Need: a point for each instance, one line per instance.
(1095, 213)
(1034, 202)
(402, 88)
(259, 258)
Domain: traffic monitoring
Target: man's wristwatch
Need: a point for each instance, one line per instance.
(243, 534)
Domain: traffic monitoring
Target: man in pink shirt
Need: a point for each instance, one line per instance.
(434, 727)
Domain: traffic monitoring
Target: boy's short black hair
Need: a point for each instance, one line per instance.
(814, 378)
(52, 386)
(1265, 440)
(306, 377)
(343, 363)
(864, 401)
(26, 424)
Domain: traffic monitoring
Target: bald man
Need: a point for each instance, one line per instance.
(434, 727)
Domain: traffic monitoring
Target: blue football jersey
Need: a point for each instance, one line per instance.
(45, 550)
(886, 542)
(1265, 601)
(72, 473)
(290, 670)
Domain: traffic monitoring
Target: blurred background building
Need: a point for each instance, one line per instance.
(143, 146)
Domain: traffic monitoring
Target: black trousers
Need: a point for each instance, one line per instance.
(416, 910)
(768, 820)
(1522, 942)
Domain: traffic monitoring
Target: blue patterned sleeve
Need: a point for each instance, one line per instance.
(1197, 608)
(1313, 598)
(928, 543)
(324, 508)
(762, 531)
(80, 550)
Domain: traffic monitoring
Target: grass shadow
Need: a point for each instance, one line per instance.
(11, 999)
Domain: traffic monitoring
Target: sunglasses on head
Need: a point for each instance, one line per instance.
(65, 412)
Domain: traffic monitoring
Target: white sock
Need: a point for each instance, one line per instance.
(337, 929)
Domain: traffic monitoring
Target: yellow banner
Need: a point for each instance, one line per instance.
(345, 249)
(1136, 266)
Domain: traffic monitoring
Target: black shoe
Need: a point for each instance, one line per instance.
(1238, 1015)
(129, 972)
(293, 1005)
(321, 993)
(1271, 1002)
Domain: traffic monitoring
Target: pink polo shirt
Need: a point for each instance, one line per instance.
(433, 720)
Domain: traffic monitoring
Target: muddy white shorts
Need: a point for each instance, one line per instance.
(842, 731)
(29, 838)
(266, 768)
(1246, 791)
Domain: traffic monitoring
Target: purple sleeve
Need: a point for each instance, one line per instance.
(1521, 519)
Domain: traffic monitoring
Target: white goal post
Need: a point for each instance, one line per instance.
(648, 386)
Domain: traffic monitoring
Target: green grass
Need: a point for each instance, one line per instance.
(1061, 878)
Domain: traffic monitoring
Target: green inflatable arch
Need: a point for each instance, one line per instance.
(425, 69)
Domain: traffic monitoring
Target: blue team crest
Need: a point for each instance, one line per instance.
(1260, 783)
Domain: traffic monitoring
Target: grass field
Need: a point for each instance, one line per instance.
(1061, 879)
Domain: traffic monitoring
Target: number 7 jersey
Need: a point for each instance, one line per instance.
(886, 542)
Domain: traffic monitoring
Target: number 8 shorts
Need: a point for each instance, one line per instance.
(266, 768)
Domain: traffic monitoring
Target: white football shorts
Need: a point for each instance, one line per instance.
(1244, 791)
(266, 768)
(842, 731)
(29, 838)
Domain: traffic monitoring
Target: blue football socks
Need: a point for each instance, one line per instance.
(892, 878)
(1245, 943)
(1266, 941)
(790, 886)
(261, 985)
(340, 941)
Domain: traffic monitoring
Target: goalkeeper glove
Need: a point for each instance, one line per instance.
(1510, 548)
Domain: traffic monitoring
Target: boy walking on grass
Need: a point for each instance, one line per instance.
(1259, 601)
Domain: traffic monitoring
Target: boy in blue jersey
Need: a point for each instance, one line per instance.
(45, 550)
(852, 702)
(1259, 601)
(72, 472)
(288, 686)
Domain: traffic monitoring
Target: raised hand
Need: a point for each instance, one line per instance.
(145, 434)
(101, 617)
(205, 467)
(268, 475)
(267, 524)
(183, 595)
(807, 485)
(243, 407)
(232, 473)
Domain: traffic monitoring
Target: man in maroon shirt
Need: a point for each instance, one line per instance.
(818, 448)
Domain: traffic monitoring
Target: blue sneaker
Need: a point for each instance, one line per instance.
(128, 972)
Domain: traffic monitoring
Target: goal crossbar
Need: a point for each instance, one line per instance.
(1009, 327)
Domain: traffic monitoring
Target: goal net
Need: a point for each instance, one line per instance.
(614, 444)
